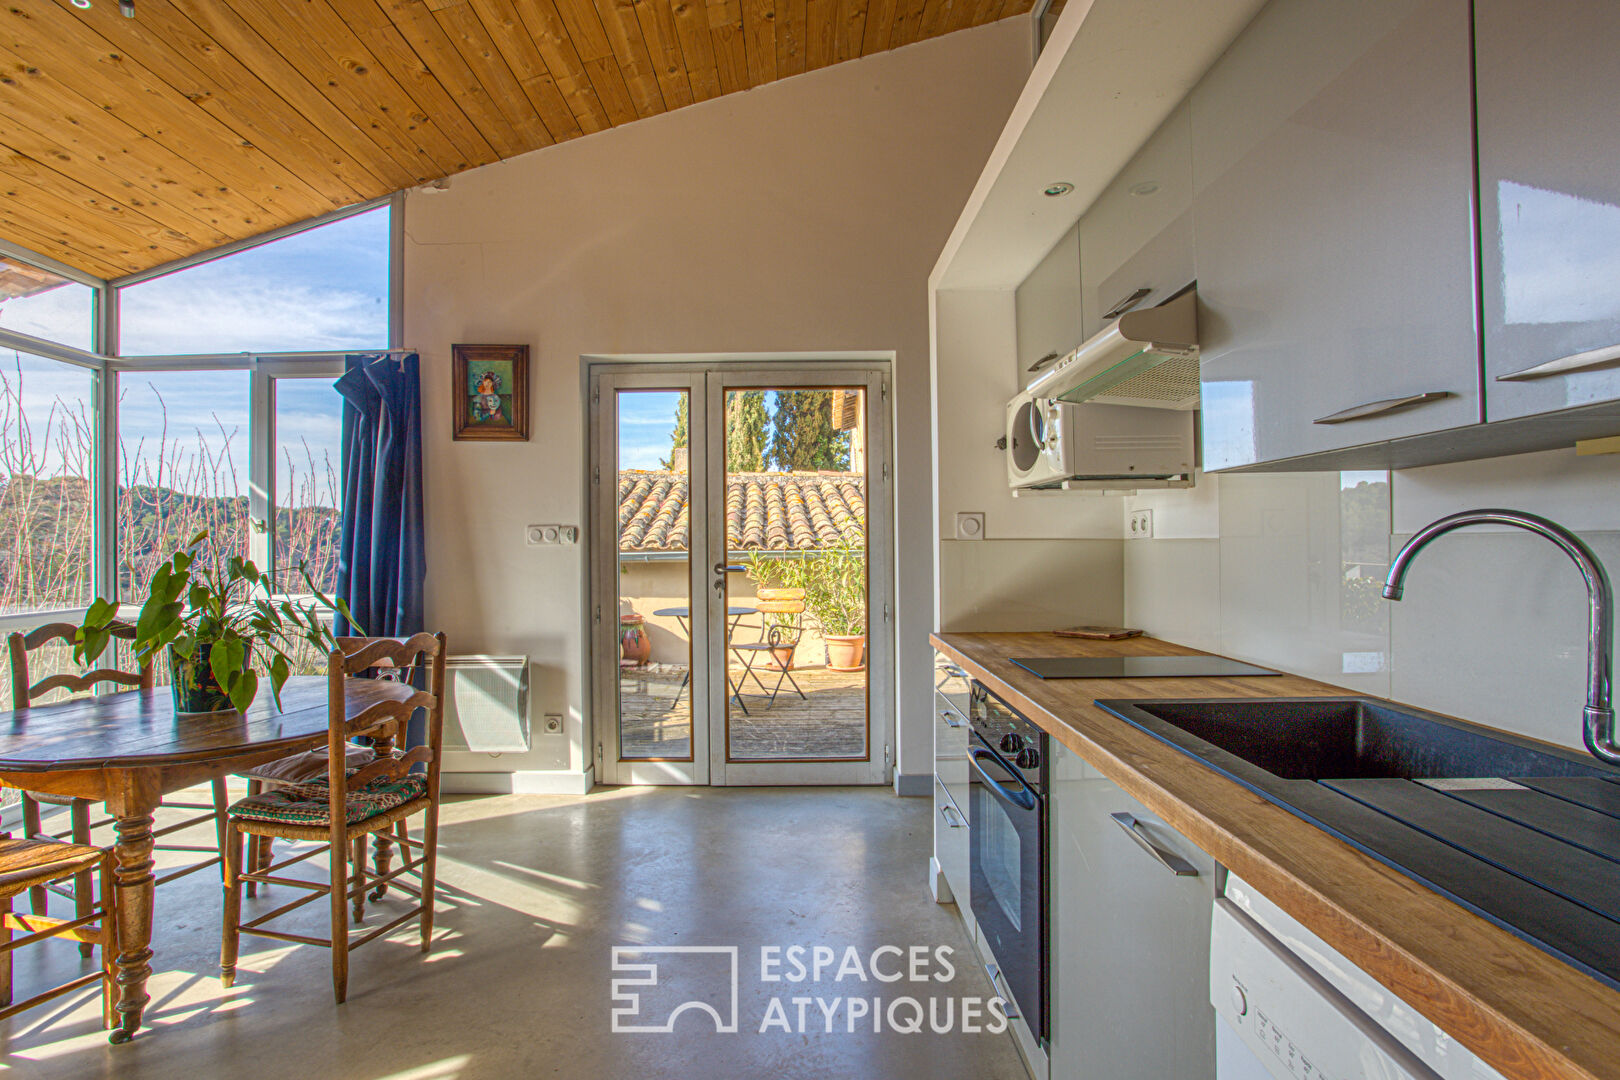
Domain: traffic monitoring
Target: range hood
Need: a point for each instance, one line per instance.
(1145, 358)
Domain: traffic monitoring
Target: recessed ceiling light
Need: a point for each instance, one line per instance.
(1146, 187)
(1062, 187)
(81, 3)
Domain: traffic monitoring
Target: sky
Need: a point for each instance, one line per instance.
(646, 427)
(320, 290)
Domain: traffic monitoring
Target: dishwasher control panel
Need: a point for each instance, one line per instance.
(1291, 1020)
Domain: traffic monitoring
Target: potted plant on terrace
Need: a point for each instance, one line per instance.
(834, 584)
(214, 618)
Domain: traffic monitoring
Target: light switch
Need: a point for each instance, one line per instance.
(546, 535)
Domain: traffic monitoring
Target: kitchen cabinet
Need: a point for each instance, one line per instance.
(1138, 234)
(1549, 197)
(952, 689)
(1047, 306)
(1129, 948)
(1334, 233)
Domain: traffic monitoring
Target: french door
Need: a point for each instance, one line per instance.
(742, 573)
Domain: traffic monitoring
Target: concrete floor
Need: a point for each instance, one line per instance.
(537, 892)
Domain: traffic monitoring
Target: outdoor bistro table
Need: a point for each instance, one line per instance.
(735, 614)
(128, 750)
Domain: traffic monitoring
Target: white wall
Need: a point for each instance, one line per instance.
(800, 216)
(1493, 624)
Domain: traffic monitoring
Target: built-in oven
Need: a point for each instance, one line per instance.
(1007, 757)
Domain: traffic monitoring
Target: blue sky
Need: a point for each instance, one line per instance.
(646, 427)
(320, 290)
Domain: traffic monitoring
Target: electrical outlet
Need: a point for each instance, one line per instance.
(1141, 525)
(969, 525)
(554, 724)
(546, 535)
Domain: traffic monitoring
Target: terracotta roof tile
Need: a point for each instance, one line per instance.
(764, 511)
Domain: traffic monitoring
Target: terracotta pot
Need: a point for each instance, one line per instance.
(781, 658)
(846, 652)
(193, 684)
(634, 644)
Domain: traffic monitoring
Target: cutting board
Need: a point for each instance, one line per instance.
(1098, 633)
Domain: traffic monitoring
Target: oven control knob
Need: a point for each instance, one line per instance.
(1028, 758)
(1012, 742)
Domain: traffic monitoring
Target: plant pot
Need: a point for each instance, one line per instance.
(193, 684)
(846, 652)
(634, 644)
(781, 658)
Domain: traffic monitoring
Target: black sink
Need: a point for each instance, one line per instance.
(1521, 832)
(1348, 738)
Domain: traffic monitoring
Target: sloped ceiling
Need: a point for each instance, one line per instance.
(126, 143)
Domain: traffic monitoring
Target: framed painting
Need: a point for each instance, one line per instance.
(491, 387)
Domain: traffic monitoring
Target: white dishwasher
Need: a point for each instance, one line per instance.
(1289, 1007)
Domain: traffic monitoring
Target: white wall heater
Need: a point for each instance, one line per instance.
(487, 704)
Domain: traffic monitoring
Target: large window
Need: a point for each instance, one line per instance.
(46, 439)
(182, 467)
(324, 288)
(309, 427)
(45, 305)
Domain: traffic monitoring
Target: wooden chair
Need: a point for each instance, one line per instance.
(23, 692)
(346, 807)
(26, 865)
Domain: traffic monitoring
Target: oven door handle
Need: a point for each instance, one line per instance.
(1023, 797)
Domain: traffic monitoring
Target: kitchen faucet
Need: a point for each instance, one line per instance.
(1599, 726)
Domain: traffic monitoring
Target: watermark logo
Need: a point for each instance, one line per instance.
(806, 989)
(710, 969)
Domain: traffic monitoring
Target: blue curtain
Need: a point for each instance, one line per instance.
(381, 562)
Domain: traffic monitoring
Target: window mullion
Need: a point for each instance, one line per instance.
(262, 469)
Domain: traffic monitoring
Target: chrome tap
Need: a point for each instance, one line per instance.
(1599, 725)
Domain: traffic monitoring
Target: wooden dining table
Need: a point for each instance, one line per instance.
(130, 749)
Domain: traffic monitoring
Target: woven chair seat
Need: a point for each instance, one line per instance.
(309, 804)
(308, 766)
(25, 864)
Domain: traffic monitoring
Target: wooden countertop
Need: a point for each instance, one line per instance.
(1529, 1015)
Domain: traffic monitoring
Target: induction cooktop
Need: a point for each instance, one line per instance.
(1137, 667)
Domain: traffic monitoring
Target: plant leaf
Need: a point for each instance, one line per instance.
(245, 690)
(280, 671)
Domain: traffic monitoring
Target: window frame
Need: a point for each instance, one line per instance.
(107, 364)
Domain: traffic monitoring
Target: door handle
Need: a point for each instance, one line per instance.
(998, 982)
(1371, 409)
(1165, 858)
(952, 816)
(1590, 360)
(720, 579)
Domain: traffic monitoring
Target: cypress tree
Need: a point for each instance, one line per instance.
(745, 431)
(679, 436)
(802, 435)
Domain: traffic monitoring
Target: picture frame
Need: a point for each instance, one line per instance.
(490, 392)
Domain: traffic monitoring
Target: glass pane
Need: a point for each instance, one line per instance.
(309, 430)
(183, 468)
(38, 302)
(325, 288)
(655, 666)
(795, 529)
(45, 509)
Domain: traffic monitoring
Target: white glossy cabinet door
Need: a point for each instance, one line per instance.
(1130, 938)
(1549, 175)
(1138, 234)
(1334, 227)
(1048, 306)
(951, 706)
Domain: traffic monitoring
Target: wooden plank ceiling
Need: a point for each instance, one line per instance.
(126, 143)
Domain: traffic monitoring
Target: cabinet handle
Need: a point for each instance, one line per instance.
(1043, 361)
(1379, 408)
(1167, 859)
(999, 983)
(1126, 304)
(1607, 356)
(950, 718)
(952, 816)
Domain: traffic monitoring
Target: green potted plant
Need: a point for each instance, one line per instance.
(214, 618)
(834, 584)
